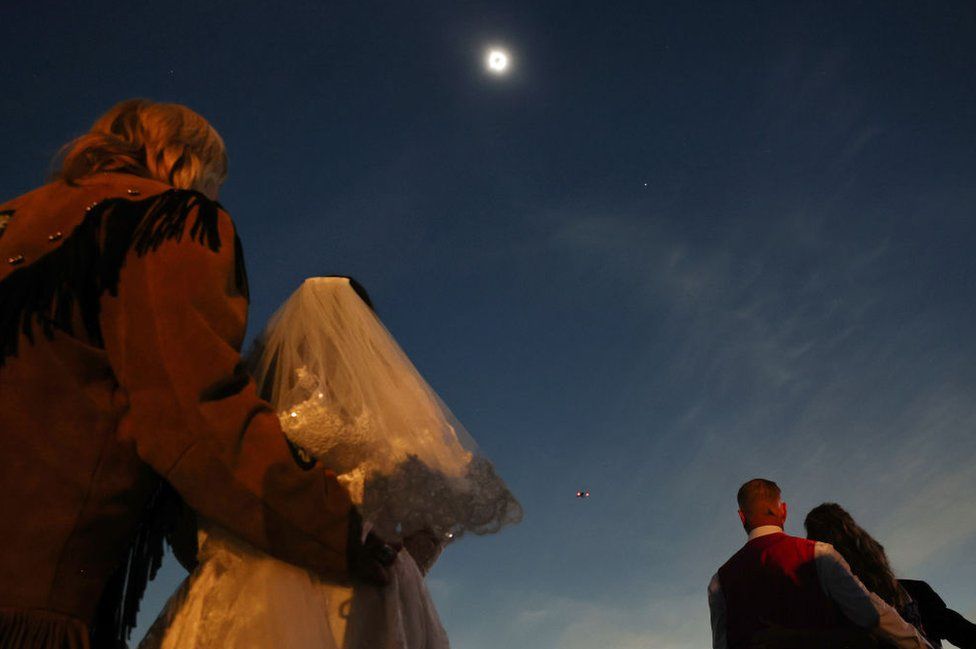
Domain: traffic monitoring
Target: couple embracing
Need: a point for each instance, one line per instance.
(307, 486)
(783, 592)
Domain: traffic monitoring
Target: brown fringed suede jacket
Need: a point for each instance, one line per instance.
(123, 304)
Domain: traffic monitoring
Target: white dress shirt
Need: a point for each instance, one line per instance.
(857, 603)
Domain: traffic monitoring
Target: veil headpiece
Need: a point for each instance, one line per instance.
(347, 393)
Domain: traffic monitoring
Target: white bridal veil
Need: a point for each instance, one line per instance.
(348, 395)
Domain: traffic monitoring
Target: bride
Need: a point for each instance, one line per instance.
(351, 401)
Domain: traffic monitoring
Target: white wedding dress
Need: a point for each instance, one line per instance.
(349, 397)
(241, 598)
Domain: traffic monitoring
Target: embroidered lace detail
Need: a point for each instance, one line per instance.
(397, 492)
(415, 497)
(340, 441)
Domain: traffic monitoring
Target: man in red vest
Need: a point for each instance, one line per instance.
(780, 586)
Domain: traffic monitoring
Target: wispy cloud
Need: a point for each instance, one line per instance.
(800, 356)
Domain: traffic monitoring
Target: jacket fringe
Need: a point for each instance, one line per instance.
(89, 263)
(118, 608)
(35, 629)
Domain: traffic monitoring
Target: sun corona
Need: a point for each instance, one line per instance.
(497, 61)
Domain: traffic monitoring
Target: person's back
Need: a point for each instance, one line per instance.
(831, 523)
(790, 591)
(61, 463)
(772, 582)
(915, 601)
(122, 310)
(349, 398)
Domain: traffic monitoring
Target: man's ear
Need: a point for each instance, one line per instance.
(783, 505)
(742, 517)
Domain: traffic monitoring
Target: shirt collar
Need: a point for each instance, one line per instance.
(764, 530)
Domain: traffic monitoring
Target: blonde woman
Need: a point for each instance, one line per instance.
(123, 300)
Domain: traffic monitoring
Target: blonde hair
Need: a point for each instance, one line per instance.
(166, 142)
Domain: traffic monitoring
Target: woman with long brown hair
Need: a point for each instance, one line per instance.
(831, 523)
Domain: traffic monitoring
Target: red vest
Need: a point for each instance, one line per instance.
(772, 581)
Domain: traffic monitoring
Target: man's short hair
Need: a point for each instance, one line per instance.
(755, 492)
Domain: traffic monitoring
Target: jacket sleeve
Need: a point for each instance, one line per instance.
(861, 606)
(939, 620)
(716, 609)
(173, 332)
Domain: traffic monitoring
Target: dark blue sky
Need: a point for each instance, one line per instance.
(681, 245)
